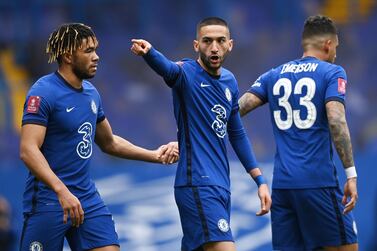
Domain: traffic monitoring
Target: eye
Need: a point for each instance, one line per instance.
(89, 50)
(207, 40)
(222, 40)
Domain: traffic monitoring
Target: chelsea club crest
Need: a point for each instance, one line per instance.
(36, 246)
(94, 107)
(228, 95)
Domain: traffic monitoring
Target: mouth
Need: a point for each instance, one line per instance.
(94, 67)
(214, 59)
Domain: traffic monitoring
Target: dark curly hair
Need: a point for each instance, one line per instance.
(66, 39)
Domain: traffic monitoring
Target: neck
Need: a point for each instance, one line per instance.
(314, 53)
(213, 72)
(70, 77)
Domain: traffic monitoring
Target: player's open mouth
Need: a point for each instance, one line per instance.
(214, 59)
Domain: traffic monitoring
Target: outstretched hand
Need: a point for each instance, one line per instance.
(350, 191)
(265, 199)
(140, 47)
(169, 153)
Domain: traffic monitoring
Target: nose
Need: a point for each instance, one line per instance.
(96, 57)
(214, 47)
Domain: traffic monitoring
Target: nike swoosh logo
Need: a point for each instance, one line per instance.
(69, 109)
(204, 85)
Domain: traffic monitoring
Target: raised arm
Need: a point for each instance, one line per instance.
(342, 141)
(158, 62)
(32, 137)
(249, 102)
(117, 146)
(244, 151)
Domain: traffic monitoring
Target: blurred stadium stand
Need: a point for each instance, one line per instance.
(138, 105)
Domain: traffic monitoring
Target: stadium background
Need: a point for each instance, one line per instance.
(138, 105)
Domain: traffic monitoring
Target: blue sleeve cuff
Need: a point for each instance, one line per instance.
(259, 180)
(335, 99)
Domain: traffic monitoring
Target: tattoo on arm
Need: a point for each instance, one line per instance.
(248, 102)
(340, 132)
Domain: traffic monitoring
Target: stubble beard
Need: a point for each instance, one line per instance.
(81, 73)
(207, 63)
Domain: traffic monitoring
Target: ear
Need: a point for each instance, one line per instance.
(230, 45)
(195, 43)
(67, 58)
(327, 45)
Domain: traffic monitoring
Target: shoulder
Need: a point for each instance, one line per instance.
(89, 87)
(333, 70)
(227, 73)
(44, 86)
(266, 76)
(187, 63)
(230, 79)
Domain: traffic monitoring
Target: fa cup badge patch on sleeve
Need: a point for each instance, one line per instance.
(342, 85)
(33, 104)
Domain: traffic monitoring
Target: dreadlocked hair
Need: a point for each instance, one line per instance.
(66, 39)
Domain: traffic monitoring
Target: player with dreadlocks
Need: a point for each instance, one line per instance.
(63, 116)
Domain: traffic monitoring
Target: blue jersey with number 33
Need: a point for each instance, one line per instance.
(297, 93)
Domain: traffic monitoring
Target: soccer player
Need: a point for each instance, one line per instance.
(63, 117)
(206, 110)
(306, 98)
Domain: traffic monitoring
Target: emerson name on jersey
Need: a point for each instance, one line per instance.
(297, 68)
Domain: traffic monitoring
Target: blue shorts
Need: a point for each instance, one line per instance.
(46, 231)
(307, 219)
(205, 215)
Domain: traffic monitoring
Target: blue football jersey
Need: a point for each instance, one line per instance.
(70, 116)
(297, 93)
(202, 106)
(206, 112)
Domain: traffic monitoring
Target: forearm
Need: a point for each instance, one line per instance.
(39, 167)
(124, 149)
(340, 135)
(248, 102)
(161, 65)
(240, 142)
(342, 141)
(245, 153)
(255, 172)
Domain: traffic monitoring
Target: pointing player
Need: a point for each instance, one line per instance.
(206, 110)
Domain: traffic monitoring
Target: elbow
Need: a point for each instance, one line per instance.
(104, 149)
(24, 154)
(242, 112)
(108, 148)
(336, 122)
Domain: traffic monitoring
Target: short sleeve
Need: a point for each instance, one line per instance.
(337, 83)
(101, 114)
(37, 106)
(259, 87)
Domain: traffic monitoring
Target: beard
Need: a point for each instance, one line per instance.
(207, 61)
(81, 72)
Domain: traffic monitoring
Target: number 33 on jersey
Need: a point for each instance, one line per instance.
(297, 93)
